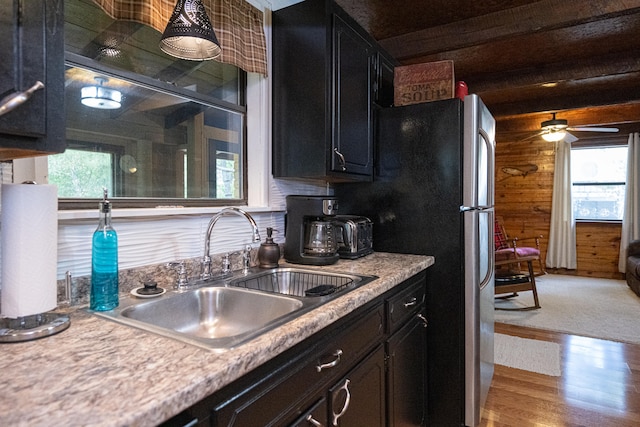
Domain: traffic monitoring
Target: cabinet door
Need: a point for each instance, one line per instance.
(384, 81)
(32, 50)
(352, 125)
(406, 351)
(359, 398)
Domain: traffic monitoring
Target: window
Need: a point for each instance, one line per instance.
(598, 176)
(153, 129)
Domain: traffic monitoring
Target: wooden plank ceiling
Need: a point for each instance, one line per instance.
(525, 58)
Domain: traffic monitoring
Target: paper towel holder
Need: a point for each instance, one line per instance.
(32, 327)
(28, 328)
(35, 326)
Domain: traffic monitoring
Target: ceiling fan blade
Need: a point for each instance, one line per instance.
(532, 136)
(592, 129)
(569, 138)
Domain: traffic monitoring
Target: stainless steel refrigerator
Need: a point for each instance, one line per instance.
(432, 194)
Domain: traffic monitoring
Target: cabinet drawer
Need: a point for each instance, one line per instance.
(406, 303)
(361, 336)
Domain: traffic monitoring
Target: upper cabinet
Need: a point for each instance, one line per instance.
(328, 74)
(32, 51)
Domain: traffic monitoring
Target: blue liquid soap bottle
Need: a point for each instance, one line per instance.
(104, 262)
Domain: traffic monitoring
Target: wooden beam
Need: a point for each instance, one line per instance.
(559, 103)
(611, 115)
(540, 16)
(612, 64)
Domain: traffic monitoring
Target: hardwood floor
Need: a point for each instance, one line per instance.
(599, 385)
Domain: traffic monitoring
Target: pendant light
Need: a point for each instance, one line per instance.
(189, 33)
(101, 97)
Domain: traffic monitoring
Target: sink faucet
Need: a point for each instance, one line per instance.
(206, 261)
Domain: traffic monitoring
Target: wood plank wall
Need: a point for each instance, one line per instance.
(524, 185)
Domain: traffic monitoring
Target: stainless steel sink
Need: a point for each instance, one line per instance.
(223, 314)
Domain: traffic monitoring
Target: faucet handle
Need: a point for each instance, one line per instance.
(246, 258)
(181, 269)
(206, 268)
(226, 264)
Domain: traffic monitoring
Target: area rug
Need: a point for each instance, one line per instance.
(530, 355)
(596, 308)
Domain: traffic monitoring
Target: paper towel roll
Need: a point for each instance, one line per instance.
(29, 239)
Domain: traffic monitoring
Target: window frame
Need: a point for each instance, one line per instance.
(601, 142)
(75, 60)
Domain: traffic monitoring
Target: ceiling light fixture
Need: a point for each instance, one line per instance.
(100, 96)
(189, 33)
(554, 135)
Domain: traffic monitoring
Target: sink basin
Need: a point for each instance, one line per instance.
(223, 314)
(300, 282)
(213, 312)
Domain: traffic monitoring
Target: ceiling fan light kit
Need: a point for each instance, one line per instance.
(554, 135)
(557, 129)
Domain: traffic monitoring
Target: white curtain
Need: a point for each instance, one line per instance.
(561, 252)
(630, 219)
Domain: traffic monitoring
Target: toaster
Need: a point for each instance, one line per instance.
(354, 236)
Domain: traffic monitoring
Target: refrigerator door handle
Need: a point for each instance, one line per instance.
(475, 208)
(490, 166)
(488, 278)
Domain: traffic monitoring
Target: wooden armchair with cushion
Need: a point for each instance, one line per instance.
(511, 248)
(509, 276)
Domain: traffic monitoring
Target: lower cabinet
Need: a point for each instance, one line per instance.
(367, 369)
(359, 398)
(406, 367)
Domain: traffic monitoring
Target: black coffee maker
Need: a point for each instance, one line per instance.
(310, 234)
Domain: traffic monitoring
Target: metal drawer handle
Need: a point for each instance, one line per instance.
(343, 163)
(337, 354)
(313, 422)
(347, 400)
(15, 99)
(413, 301)
(424, 320)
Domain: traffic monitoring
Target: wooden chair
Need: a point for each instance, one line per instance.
(512, 283)
(512, 249)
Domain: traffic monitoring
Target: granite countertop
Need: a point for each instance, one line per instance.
(102, 373)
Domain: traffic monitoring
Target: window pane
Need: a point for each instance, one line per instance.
(605, 164)
(161, 145)
(598, 201)
(80, 173)
(598, 176)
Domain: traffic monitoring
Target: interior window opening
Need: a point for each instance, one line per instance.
(168, 131)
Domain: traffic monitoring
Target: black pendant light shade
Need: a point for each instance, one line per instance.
(189, 33)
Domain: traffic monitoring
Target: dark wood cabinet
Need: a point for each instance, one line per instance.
(326, 81)
(407, 396)
(365, 369)
(32, 49)
(383, 85)
(359, 398)
(406, 367)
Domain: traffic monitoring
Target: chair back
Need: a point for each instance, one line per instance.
(500, 236)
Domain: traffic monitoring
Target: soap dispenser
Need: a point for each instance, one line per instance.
(104, 262)
(269, 252)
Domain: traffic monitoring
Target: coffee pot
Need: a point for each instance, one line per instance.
(320, 237)
(310, 234)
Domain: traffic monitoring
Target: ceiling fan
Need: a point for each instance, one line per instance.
(557, 130)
